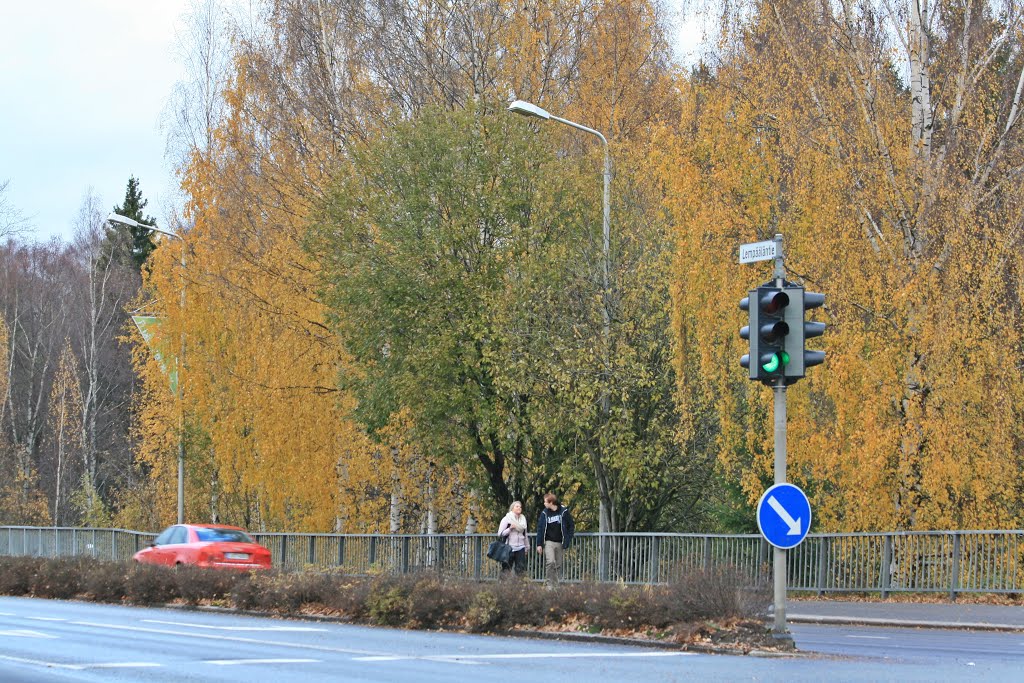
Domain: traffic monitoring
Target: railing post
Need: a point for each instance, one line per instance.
(707, 553)
(440, 554)
(93, 553)
(655, 559)
(602, 556)
(311, 557)
(284, 550)
(136, 536)
(885, 570)
(822, 563)
(762, 567)
(405, 554)
(477, 557)
(341, 551)
(74, 541)
(113, 546)
(373, 550)
(954, 575)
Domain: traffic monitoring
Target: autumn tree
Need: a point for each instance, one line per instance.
(309, 90)
(65, 434)
(882, 140)
(21, 502)
(35, 289)
(104, 288)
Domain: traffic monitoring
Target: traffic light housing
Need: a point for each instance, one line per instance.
(782, 332)
(767, 330)
(800, 331)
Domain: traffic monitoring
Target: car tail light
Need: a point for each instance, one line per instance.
(210, 556)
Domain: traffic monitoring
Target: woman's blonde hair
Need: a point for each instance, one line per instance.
(514, 503)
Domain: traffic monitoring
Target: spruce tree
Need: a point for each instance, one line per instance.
(140, 245)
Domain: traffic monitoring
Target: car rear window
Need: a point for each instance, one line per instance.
(230, 535)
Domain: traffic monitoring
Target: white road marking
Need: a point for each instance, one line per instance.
(77, 667)
(296, 629)
(46, 618)
(114, 665)
(398, 658)
(232, 662)
(26, 633)
(375, 656)
(38, 663)
(7, 614)
(233, 639)
(870, 637)
(523, 655)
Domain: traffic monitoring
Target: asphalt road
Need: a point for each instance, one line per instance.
(42, 640)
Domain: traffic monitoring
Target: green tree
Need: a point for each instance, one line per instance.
(462, 267)
(428, 245)
(135, 244)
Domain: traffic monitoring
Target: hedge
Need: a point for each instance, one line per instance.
(414, 601)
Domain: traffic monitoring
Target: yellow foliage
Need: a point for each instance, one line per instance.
(913, 421)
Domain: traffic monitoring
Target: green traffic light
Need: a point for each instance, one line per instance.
(775, 362)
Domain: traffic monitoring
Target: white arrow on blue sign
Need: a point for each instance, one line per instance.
(784, 515)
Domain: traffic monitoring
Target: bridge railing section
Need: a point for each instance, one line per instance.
(103, 544)
(927, 561)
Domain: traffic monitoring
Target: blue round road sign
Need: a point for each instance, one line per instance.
(784, 515)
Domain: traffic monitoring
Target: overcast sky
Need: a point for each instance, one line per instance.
(83, 87)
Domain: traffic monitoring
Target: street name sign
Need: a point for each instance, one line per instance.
(784, 515)
(757, 251)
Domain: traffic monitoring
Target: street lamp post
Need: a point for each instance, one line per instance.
(524, 108)
(529, 109)
(118, 219)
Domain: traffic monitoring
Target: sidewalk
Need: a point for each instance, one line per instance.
(922, 615)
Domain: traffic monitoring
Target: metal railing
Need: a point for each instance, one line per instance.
(926, 561)
(102, 544)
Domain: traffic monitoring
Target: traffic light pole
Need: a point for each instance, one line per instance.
(779, 389)
(777, 330)
(779, 554)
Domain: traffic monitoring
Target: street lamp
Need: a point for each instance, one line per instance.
(118, 219)
(524, 108)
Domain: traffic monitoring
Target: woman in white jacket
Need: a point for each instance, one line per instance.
(513, 530)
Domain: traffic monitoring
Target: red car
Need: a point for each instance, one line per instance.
(205, 545)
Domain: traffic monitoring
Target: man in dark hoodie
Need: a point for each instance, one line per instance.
(554, 534)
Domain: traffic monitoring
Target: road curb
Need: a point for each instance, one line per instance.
(655, 644)
(902, 623)
(521, 633)
(268, 615)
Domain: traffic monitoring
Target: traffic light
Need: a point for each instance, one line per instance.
(800, 331)
(766, 331)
